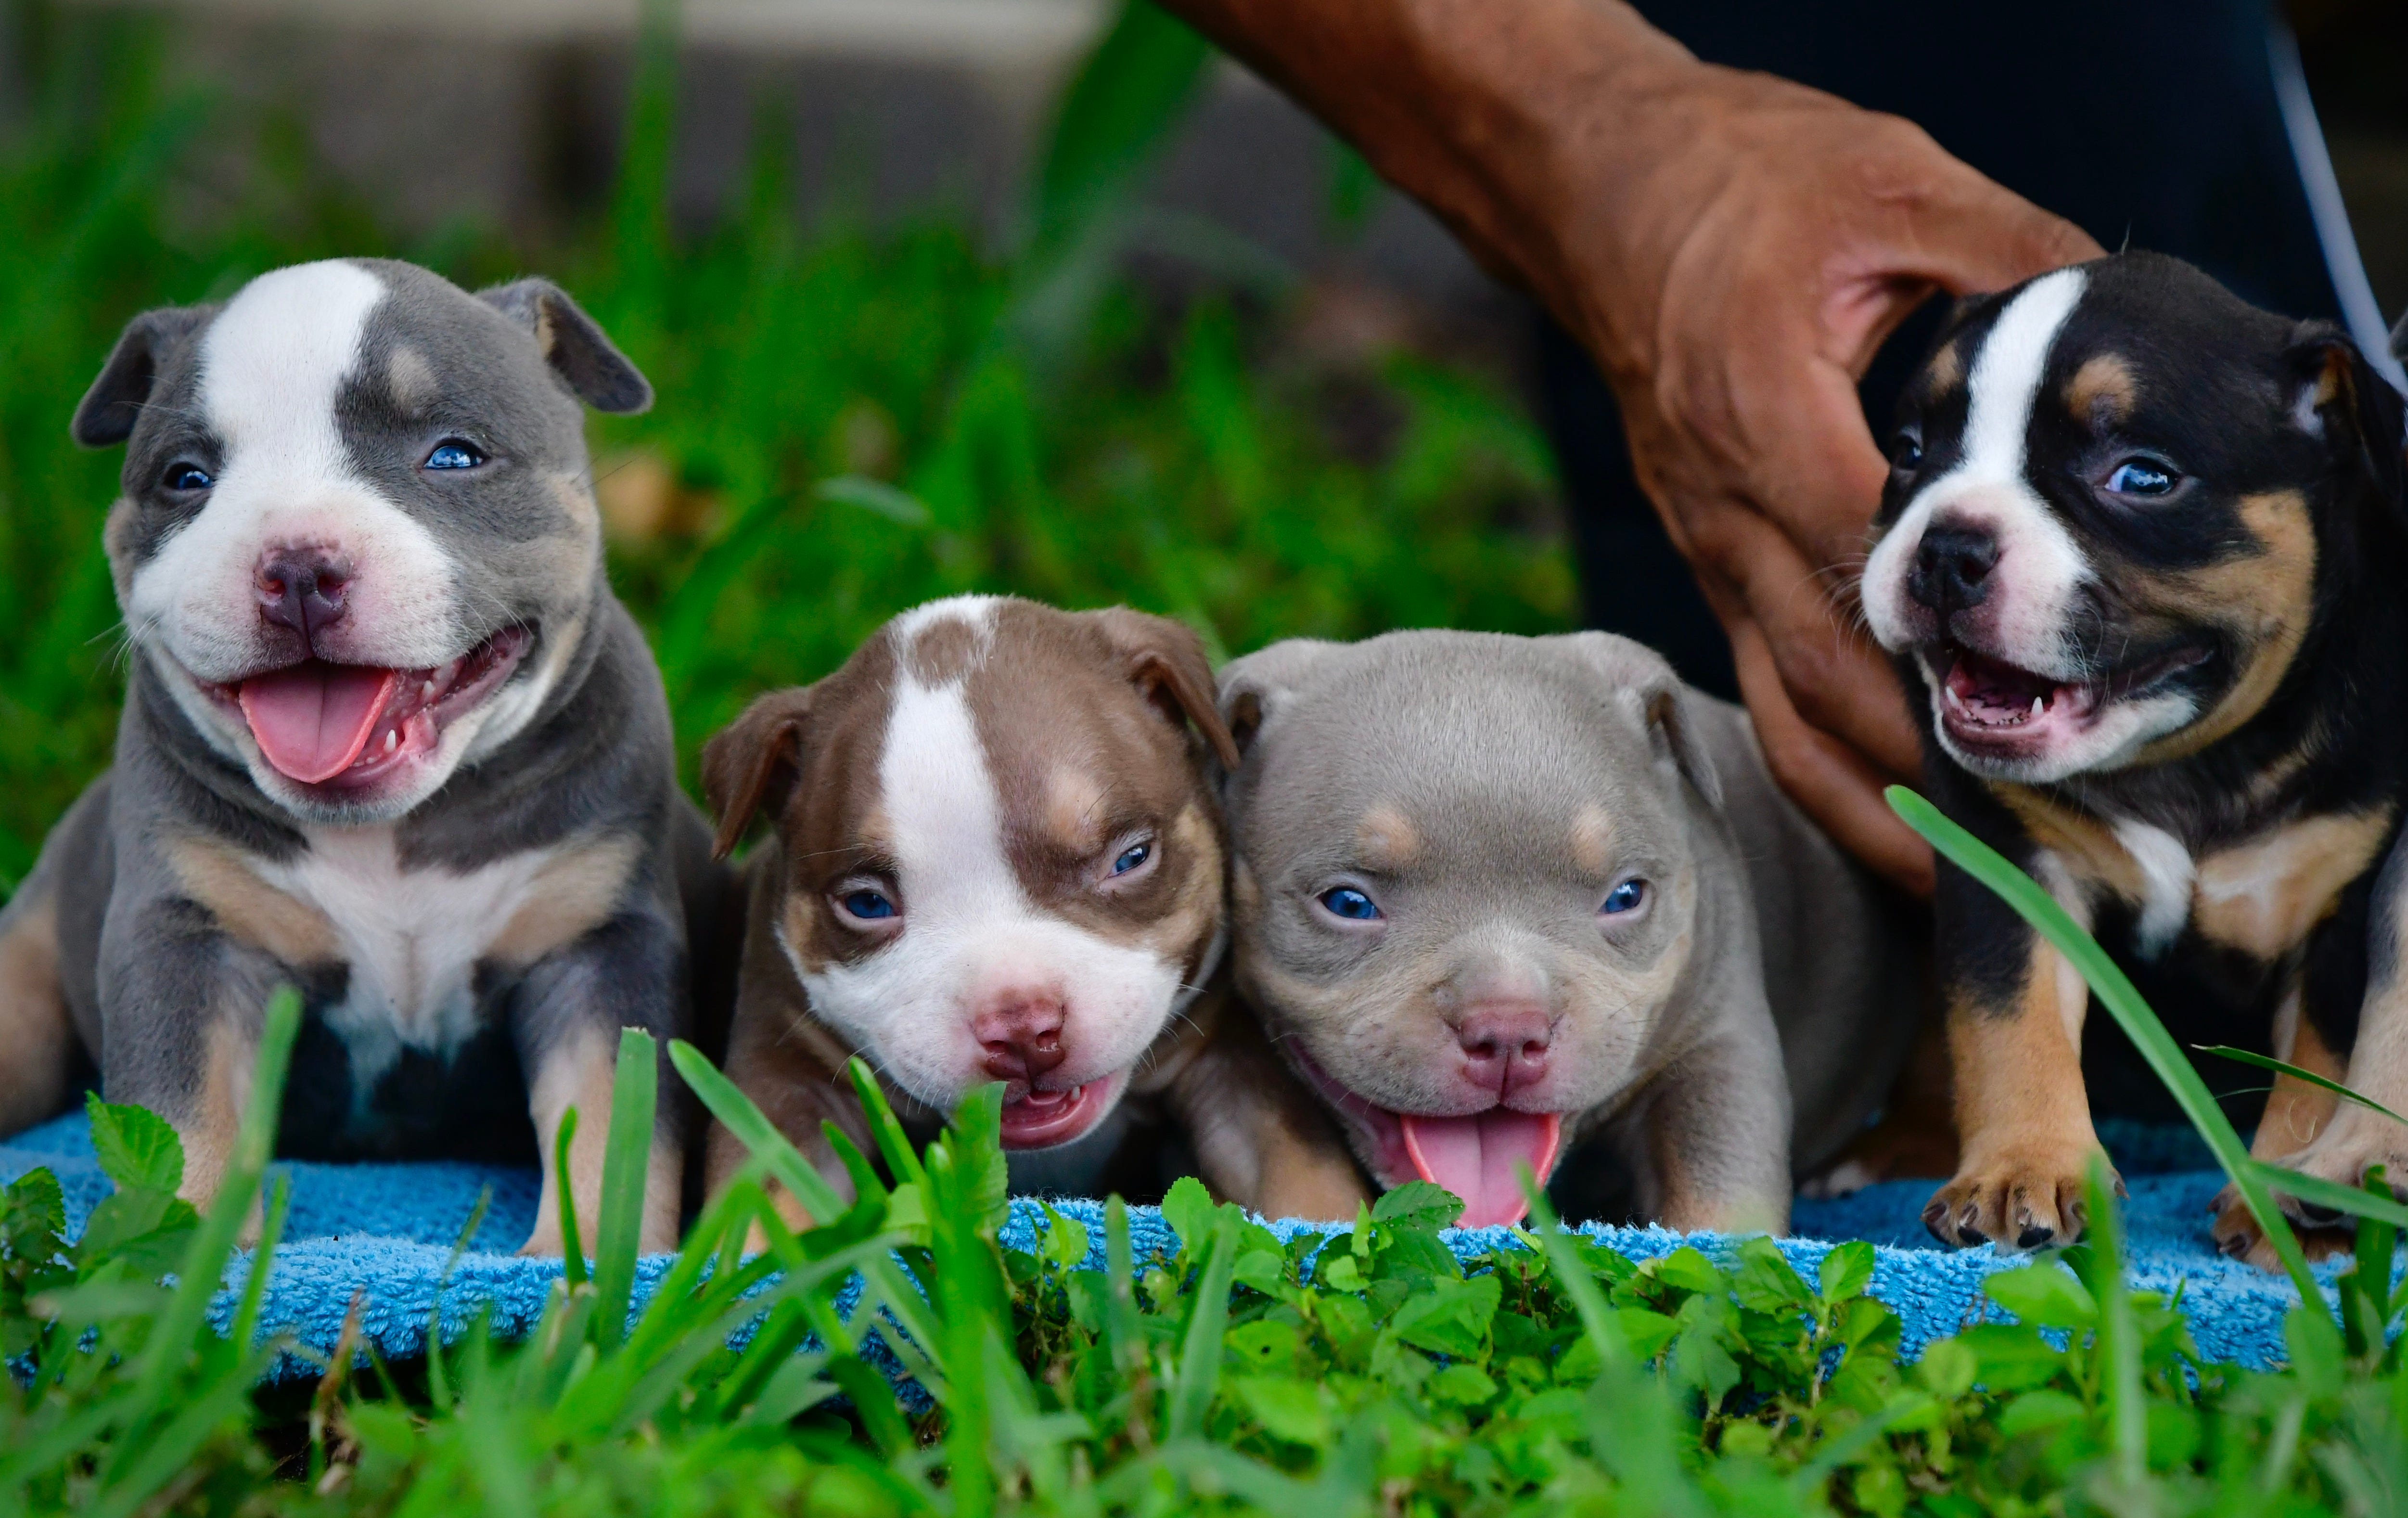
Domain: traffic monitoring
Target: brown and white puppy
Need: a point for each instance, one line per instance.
(995, 857)
(2144, 545)
(1495, 896)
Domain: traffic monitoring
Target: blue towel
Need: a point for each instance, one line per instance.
(386, 1231)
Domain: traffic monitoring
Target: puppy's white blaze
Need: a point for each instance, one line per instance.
(272, 366)
(2039, 563)
(2168, 877)
(969, 929)
(976, 612)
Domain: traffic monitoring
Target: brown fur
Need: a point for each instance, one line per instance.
(34, 1028)
(249, 909)
(2266, 597)
(576, 1072)
(575, 893)
(2023, 1115)
(2103, 390)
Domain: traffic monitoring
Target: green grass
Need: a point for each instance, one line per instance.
(850, 419)
(853, 420)
(1365, 1371)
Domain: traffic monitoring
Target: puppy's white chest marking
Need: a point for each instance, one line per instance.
(413, 938)
(2167, 875)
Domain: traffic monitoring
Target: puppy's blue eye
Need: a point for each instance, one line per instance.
(1353, 904)
(187, 476)
(2144, 477)
(1132, 856)
(454, 453)
(868, 905)
(1906, 452)
(1625, 897)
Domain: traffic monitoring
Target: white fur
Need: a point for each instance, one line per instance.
(2041, 570)
(413, 938)
(2168, 873)
(970, 932)
(2038, 562)
(272, 366)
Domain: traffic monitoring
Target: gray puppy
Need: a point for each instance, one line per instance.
(1494, 896)
(387, 736)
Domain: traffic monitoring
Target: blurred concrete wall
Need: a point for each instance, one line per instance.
(510, 112)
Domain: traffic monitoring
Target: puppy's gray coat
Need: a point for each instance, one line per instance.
(387, 736)
(1495, 896)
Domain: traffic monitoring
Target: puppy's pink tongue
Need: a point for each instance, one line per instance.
(312, 719)
(1479, 1158)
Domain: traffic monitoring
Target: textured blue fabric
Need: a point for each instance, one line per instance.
(386, 1230)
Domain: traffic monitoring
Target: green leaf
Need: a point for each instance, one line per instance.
(1765, 1281)
(1847, 1270)
(2039, 1412)
(1452, 1317)
(135, 1147)
(1688, 1269)
(2043, 1296)
(1190, 1211)
(1463, 1384)
(1064, 1243)
(1418, 1204)
(2012, 1355)
(1130, 91)
(1289, 1410)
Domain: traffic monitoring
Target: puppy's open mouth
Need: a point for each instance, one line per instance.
(1477, 1155)
(1042, 1119)
(345, 726)
(1989, 704)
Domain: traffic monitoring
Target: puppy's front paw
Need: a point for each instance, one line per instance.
(2238, 1237)
(2357, 1140)
(545, 1242)
(2024, 1198)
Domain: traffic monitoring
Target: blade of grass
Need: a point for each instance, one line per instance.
(2332, 1194)
(2120, 1335)
(893, 1147)
(626, 1164)
(884, 1285)
(438, 1377)
(2123, 1001)
(2267, 1062)
(1198, 1375)
(263, 1256)
(572, 1248)
(205, 1259)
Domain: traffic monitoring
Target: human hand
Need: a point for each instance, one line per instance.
(1734, 284)
(1732, 249)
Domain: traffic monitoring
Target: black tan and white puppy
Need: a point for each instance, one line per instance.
(387, 736)
(996, 857)
(1494, 896)
(2144, 545)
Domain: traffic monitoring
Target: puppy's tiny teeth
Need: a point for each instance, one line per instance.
(392, 738)
(426, 691)
(2036, 706)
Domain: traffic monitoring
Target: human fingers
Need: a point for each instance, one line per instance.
(1829, 782)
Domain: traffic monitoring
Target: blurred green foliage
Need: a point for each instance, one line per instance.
(851, 417)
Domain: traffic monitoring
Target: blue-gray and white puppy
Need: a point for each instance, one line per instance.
(387, 736)
(1494, 896)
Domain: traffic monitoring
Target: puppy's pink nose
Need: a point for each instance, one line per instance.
(1020, 1037)
(301, 588)
(1505, 1045)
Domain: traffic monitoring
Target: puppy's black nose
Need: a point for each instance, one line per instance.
(302, 589)
(1952, 567)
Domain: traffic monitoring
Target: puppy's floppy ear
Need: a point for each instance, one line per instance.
(1644, 683)
(1166, 662)
(2339, 396)
(586, 361)
(1254, 689)
(106, 414)
(754, 764)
